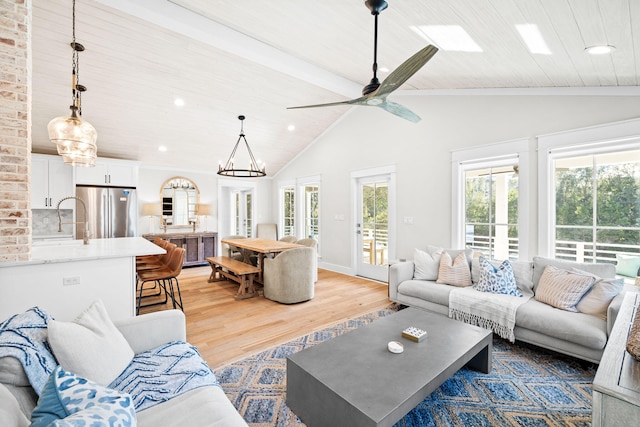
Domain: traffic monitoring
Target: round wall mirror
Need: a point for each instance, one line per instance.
(179, 196)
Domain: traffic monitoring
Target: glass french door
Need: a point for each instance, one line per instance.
(243, 213)
(372, 227)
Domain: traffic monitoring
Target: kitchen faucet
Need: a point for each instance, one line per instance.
(85, 237)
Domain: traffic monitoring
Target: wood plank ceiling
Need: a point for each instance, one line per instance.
(231, 57)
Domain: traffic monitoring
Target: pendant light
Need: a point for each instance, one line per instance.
(75, 138)
(229, 168)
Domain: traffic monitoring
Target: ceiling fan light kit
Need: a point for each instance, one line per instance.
(229, 169)
(75, 138)
(375, 93)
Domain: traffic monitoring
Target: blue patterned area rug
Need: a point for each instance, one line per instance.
(526, 387)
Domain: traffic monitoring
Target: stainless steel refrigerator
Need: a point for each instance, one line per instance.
(111, 211)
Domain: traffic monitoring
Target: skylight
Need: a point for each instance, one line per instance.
(448, 37)
(532, 37)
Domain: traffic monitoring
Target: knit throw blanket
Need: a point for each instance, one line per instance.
(163, 373)
(487, 310)
(24, 336)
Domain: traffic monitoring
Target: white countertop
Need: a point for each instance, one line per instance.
(74, 250)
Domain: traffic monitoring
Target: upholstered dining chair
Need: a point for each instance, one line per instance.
(267, 231)
(288, 278)
(289, 239)
(312, 243)
(232, 251)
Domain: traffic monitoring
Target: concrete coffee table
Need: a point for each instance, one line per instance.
(354, 380)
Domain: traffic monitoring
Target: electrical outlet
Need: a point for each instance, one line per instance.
(408, 220)
(73, 280)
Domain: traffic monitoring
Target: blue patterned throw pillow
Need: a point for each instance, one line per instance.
(71, 401)
(497, 280)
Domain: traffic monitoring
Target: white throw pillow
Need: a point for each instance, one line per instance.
(597, 300)
(90, 346)
(426, 264)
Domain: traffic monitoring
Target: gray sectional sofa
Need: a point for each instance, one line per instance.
(580, 335)
(203, 406)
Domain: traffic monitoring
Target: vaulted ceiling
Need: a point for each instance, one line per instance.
(230, 57)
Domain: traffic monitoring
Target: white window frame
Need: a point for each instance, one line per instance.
(282, 186)
(492, 155)
(599, 139)
(301, 183)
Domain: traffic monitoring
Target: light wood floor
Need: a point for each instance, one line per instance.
(226, 330)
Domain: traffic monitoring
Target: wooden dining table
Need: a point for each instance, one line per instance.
(262, 247)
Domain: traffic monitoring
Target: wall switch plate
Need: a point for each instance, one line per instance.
(408, 220)
(73, 280)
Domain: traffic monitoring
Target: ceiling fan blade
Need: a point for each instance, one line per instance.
(405, 70)
(400, 111)
(361, 100)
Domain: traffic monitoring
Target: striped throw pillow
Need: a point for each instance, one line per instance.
(563, 289)
(456, 272)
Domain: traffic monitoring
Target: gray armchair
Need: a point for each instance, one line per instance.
(289, 239)
(288, 278)
(312, 243)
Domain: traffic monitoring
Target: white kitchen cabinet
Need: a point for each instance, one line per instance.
(109, 172)
(51, 180)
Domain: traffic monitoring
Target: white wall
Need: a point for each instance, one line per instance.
(367, 137)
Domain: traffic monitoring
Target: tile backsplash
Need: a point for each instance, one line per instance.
(45, 222)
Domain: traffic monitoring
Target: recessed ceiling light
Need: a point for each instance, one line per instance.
(162, 148)
(383, 69)
(291, 128)
(178, 102)
(532, 37)
(600, 49)
(448, 37)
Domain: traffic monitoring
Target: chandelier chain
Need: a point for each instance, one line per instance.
(75, 65)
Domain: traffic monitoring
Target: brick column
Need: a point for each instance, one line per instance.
(15, 130)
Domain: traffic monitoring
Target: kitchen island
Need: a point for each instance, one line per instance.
(65, 277)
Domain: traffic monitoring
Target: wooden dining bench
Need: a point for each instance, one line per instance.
(223, 268)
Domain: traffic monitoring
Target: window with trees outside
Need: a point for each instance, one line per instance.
(597, 206)
(491, 210)
(288, 211)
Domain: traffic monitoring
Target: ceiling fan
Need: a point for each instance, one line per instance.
(375, 93)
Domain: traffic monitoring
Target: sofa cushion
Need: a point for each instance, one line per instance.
(426, 264)
(522, 270)
(70, 400)
(91, 346)
(454, 272)
(12, 372)
(497, 280)
(627, 265)
(202, 407)
(601, 270)
(562, 288)
(577, 328)
(426, 290)
(597, 300)
(10, 413)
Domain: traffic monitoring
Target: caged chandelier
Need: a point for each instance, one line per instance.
(229, 168)
(74, 137)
